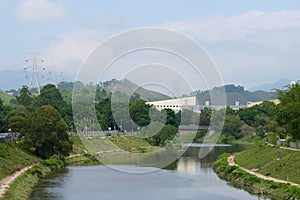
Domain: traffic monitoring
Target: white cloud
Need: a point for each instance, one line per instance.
(237, 27)
(69, 50)
(39, 10)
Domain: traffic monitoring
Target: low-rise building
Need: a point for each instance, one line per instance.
(174, 104)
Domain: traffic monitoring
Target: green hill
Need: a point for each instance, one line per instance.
(233, 94)
(123, 88)
(127, 87)
(5, 97)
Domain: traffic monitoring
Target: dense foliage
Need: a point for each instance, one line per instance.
(46, 133)
(288, 111)
(118, 111)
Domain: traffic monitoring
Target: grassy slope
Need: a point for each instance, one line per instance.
(22, 187)
(132, 144)
(5, 97)
(253, 184)
(77, 145)
(288, 167)
(97, 144)
(12, 158)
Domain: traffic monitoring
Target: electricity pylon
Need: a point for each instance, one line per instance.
(35, 66)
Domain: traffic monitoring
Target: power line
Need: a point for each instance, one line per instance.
(35, 68)
(55, 77)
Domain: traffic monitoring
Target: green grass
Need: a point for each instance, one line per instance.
(253, 184)
(287, 168)
(77, 145)
(187, 137)
(21, 188)
(131, 143)
(13, 158)
(256, 156)
(82, 161)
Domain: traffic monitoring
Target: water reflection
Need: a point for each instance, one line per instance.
(191, 178)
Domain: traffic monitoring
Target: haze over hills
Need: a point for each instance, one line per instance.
(268, 87)
(233, 93)
(125, 86)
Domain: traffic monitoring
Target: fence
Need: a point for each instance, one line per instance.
(295, 145)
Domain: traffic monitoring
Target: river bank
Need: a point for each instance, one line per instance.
(15, 159)
(251, 183)
(23, 185)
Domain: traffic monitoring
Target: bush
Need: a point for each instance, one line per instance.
(37, 171)
(53, 163)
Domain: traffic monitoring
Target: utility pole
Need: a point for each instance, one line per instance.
(35, 67)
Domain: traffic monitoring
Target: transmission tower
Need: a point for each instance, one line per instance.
(35, 67)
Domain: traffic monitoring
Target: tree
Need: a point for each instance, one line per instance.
(139, 112)
(205, 116)
(288, 111)
(1, 104)
(104, 114)
(25, 97)
(248, 114)
(46, 133)
(232, 126)
(16, 119)
(167, 133)
(173, 118)
(50, 95)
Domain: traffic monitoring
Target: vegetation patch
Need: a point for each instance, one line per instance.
(253, 184)
(285, 168)
(132, 144)
(22, 187)
(13, 158)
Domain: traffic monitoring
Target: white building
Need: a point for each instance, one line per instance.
(173, 104)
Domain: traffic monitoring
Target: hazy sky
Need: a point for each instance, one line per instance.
(252, 42)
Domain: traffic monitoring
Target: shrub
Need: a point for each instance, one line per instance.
(53, 163)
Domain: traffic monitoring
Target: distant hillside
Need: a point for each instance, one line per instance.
(233, 94)
(268, 87)
(127, 86)
(5, 97)
(124, 86)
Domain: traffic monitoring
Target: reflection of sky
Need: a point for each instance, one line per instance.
(100, 182)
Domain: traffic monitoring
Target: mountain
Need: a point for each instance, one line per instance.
(127, 87)
(120, 88)
(233, 94)
(268, 87)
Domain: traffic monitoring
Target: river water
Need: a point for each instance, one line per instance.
(188, 178)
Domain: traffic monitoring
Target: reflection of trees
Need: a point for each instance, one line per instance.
(207, 161)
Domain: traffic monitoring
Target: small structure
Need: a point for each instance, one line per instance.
(9, 136)
(282, 142)
(174, 104)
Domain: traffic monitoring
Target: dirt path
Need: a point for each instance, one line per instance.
(5, 182)
(232, 163)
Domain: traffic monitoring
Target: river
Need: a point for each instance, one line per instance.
(188, 178)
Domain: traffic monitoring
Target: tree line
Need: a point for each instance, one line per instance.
(45, 119)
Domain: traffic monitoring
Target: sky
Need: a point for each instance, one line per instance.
(251, 42)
